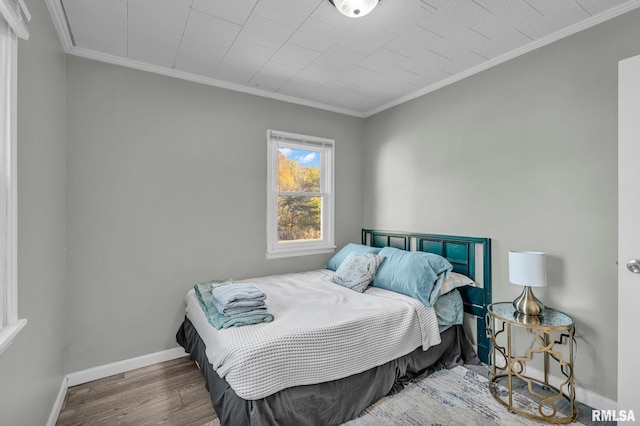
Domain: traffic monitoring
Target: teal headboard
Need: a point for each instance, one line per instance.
(470, 256)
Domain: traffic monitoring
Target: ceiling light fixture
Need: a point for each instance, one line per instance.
(354, 8)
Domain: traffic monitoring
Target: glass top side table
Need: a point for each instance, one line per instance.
(507, 367)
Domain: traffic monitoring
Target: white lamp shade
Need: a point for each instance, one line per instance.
(355, 8)
(528, 268)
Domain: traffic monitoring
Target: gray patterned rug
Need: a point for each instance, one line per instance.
(447, 397)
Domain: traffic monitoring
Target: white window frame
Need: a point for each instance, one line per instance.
(326, 147)
(14, 18)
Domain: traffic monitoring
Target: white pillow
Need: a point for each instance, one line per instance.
(455, 280)
(357, 271)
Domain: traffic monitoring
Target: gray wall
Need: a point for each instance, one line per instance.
(166, 188)
(524, 153)
(31, 369)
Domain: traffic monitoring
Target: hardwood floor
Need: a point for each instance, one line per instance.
(170, 393)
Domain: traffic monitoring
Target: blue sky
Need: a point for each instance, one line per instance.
(302, 157)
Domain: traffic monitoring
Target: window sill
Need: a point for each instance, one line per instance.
(277, 254)
(9, 332)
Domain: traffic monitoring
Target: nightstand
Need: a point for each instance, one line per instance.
(507, 368)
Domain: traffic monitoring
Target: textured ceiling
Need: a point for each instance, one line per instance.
(305, 51)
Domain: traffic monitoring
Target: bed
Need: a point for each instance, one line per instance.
(292, 371)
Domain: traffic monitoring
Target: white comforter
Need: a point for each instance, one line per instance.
(321, 332)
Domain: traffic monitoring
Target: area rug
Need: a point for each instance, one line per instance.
(447, 397)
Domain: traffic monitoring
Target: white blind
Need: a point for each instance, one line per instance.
(312, 141)
(17, 15)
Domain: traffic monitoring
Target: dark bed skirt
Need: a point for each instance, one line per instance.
(329, 403)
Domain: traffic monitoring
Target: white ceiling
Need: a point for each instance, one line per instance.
(305, 51)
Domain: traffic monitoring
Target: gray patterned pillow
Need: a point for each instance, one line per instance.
(357, 271)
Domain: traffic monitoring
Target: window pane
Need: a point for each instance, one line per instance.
(298, 170)
(299, 218)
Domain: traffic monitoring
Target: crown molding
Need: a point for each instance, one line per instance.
(59, 18)
(66, 38)
(566, 32)
(61, 24)
(142, 66)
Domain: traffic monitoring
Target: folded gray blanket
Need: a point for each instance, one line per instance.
(240, 309)
(234, 298)
(218, 320)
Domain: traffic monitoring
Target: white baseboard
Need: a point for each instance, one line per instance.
(584, 396)
(123, 366)
(57, 405)
(95, 373)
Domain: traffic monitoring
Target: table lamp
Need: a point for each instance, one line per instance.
(529, 269)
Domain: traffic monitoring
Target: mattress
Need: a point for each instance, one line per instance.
(321, 332)
(328, 403)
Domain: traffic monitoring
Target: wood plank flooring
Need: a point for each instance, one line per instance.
(170, 393)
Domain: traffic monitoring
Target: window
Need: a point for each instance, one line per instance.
(13, 23)
(299, 194)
